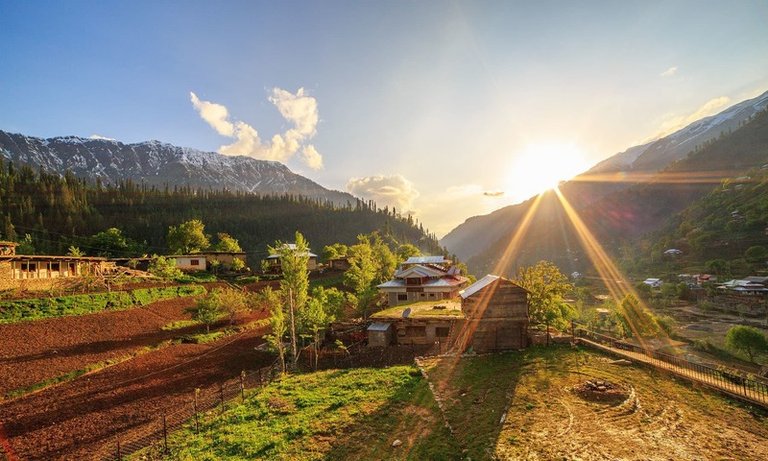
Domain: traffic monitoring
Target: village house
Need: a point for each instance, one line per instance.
(339, 264)
(488, 316)
(224, 258)
(42, 272)
(423, 278)
(497, 316)
(273, 260)
(190, 263)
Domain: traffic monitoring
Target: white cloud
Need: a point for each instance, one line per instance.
(669, 72)
(214, 114)
(299, 109)
(313, 159)
(103, 138)
(672, 123)
(393, 191)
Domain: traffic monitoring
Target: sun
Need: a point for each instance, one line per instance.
(541, 166)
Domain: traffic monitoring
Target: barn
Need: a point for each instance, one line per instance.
(496, 312)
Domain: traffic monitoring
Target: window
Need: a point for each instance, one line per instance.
(441, 332)
(431, 295)
(55, 267)
(416, 331)
(24, 267)
(194, 262)
(72, 268)
(402, 297)
(33, 267)
(413, 281)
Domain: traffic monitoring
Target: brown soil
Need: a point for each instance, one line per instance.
(78, 419)
(602, 391)
(31, 352)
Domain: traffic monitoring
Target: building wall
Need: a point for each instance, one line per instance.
(13, 275)
(420, 331)
(392, 297)
(380, 338)
(498, 318)
(185, 263)
(225, 259)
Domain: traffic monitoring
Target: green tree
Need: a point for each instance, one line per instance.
(270, 300)
(75, 251)
(385, 260)
(227, 243)
(547, 288)
(322, 309)
(207, 309)
(361, 274)
(232, 301)
(295, 284)
(26, 246)
(111, 243)
(748, 340)
(718, 267)
(407, 250)
(639, 320)
(237, 264)
(163, 267)
(757, 254)
(188, 237)
(336, 250)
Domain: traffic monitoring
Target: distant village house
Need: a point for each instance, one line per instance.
(423, 278)
(273, 260)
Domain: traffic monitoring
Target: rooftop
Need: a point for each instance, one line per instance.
(427, 260)
(422, 310)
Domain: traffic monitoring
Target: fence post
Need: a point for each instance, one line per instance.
(221, 397)
(165, 436)
(197, 417)
(242, 385)
(119, 455)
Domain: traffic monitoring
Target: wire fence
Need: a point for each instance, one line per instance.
(155, 432)
(751, 389)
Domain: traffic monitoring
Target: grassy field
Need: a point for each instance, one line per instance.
(544, 418)
(41, 308)
(517, 405)
(328, 415)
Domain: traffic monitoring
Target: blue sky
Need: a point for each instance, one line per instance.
(422, 105)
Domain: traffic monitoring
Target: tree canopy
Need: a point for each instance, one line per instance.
(188, 237)
(547, 288)
(748, 340)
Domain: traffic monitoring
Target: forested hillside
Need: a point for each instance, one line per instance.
(59, 211)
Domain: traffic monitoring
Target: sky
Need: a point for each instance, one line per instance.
(445, 109)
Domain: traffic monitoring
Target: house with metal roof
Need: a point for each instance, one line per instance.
(273, 260)
(496, 311)
(420, 323)
(423, 278)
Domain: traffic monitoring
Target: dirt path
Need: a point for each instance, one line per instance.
(31, 352)
(74, 420)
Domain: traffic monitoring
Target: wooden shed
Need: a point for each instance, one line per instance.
(496, 310)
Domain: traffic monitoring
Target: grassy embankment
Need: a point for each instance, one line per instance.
(337, 414)
(41, 308)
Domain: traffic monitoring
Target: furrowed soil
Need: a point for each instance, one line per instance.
(35, 351)
(526, 406)
(82, 419)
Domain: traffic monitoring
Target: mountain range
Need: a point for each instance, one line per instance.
(632, 193)
(160, 164)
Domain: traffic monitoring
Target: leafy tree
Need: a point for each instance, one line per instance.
(718, 267)
(336, 250)
(75, 251)
(237, 264)
(207, 309)
(639, 320)
(188, 237)
(295, 284)
(361, 275)
(227, 243)
(163, 267)
(322, 309)
(748, 340)
(231, 301)
(547, 287)
(111, 243)
(270, 300)
(757, 254)
(26, 246)
(407, 250)
(386, 261)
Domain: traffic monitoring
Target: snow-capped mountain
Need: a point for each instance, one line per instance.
(659, 153)
(157, 163)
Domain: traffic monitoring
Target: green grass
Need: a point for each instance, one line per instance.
(41, 308)
(180, 324)
(328, 415)
(203, 338)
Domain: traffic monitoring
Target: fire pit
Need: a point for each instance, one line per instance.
(596, 390)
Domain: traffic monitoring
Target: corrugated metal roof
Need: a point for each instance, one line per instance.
(426, 260)
(419, 270)
(379, 326)
(477, 286)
